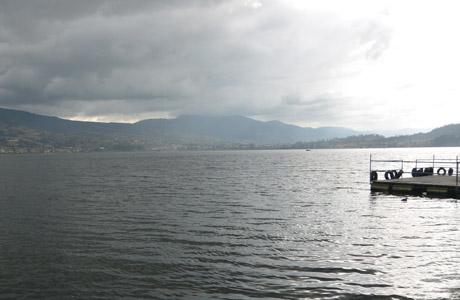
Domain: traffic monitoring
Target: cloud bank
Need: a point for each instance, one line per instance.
(127, 60)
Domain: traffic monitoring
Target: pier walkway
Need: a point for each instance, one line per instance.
(418, 181)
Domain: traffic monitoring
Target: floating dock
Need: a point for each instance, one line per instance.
(434, 185)
(427, 177)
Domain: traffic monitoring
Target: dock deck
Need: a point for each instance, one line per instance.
(431, 185)
(437, 177)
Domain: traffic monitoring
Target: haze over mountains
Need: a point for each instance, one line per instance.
(26, 132)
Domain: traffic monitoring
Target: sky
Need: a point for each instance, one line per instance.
(367, 65)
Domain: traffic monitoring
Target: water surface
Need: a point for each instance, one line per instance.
(221, 225)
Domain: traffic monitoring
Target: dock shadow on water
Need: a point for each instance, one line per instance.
(220, 225)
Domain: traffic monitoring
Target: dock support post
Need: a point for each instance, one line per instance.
(433, 161)
(456, 180)
(370, 167)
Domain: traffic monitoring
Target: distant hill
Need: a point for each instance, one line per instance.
(445, 136)
(17, 118)
(24, 130)
(236, 129)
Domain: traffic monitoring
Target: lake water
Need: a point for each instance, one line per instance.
(221, 225)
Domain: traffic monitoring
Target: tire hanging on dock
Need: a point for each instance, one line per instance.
(442, 171)
(450, 172)
(417, 172)
(429, 171)
(389, 175)
(399, 174)
(374, 176)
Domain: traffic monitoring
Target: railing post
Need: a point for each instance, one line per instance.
(433, 162)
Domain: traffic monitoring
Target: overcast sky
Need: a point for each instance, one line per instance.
(361, 64)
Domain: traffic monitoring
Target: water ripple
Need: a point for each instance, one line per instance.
(219, 225)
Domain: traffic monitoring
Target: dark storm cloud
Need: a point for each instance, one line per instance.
(98, 58)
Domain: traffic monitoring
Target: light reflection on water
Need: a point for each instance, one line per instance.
(235, 224)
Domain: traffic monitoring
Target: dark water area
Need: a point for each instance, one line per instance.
(221, 225)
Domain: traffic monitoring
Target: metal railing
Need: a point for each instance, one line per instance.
(432, 162)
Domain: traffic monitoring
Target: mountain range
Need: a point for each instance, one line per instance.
(445, 136)
(28, 130)
(22, 131)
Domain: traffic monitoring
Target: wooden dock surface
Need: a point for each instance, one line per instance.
(431, 185)
(427, 180)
